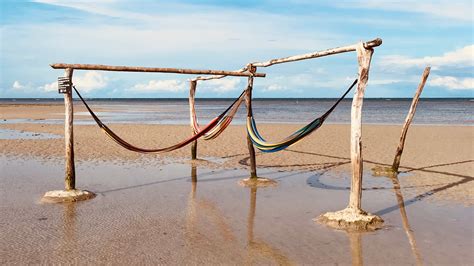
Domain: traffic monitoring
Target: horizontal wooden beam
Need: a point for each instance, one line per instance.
(349, 48)
(155, 69)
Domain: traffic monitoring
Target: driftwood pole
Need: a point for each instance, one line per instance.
(192, 114)
(70, 193)
(364, 57)
(353, 217)
(409, 118)
(248, 102)
(70, 179)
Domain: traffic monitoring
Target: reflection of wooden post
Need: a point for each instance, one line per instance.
(192, 114)
(355, 239)
(251, 218)
(403, 213)
(70, 179)
(409, 118)
(248, 102)
(363, 56)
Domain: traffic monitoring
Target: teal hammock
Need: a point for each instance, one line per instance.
(260, 143)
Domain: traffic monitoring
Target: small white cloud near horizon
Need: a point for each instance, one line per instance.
(17, 85)
(169, 85)
(458, 58)
(222, 85)
(452, 83)
(91, 80)
(273, 87)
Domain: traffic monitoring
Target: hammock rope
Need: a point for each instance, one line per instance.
(214, 122)
(260, 143)
(223, 123)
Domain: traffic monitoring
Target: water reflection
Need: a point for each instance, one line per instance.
(403, 214)
(68, 248)
(256, 249)
(355, 239)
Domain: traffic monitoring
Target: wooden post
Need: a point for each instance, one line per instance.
(409, 118)
(364, 56)
(70, 178)
(192, 114)
(248, 103)
(353, 217)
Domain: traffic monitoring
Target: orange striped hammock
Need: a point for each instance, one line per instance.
(220, 121)
(222, 124)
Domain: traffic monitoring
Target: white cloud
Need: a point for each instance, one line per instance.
(273, 87)
(222, 85)
(17, 85)
(53, 86)
(170, 85)
(91, 80)
(452, 83)
(458, 58)
(458, 10)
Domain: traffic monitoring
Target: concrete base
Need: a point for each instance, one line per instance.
(258, 182)
(351, 220)
(59, 196)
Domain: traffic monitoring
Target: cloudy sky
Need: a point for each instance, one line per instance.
(227, 35)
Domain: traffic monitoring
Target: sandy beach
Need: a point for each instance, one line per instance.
(148, 211)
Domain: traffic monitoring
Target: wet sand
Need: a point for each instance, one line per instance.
(156, 214)
(148, 210)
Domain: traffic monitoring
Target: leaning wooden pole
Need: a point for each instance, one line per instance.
(248, 102)
(70, 178)
(192, 115)
(408, 120)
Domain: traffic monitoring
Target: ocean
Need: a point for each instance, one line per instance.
(433, 111)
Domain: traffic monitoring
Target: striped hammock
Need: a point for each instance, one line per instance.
(208, 128)
(223, 122)
(260, 143)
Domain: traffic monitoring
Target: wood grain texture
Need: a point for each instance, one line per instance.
(364, 57)
(70, 178)
(409, 119)
(154, 69)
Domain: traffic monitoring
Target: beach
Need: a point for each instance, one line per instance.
(163, 219)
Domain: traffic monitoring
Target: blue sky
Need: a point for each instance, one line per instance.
(229, 34)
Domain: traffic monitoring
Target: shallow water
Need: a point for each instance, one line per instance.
(147, 213)
(21, 134)
(175, 111)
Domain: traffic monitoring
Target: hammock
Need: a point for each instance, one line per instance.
(260, 143)
(214, 122)
(223, 123)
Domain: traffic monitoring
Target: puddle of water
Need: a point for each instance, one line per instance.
(183, 214)
(21, 134)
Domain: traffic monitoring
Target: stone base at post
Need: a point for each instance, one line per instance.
(351, 219)
(258, 182)
(59, 196)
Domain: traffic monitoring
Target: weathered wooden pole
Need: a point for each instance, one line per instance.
(192, 115)
(408, 120)
(353, 217)
(155, 69)
(248, 102)
(70, 178)
(364, 57)
(70, 193)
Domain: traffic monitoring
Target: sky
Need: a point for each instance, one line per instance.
(227, 35)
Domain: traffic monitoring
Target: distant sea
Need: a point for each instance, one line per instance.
(433, 111)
